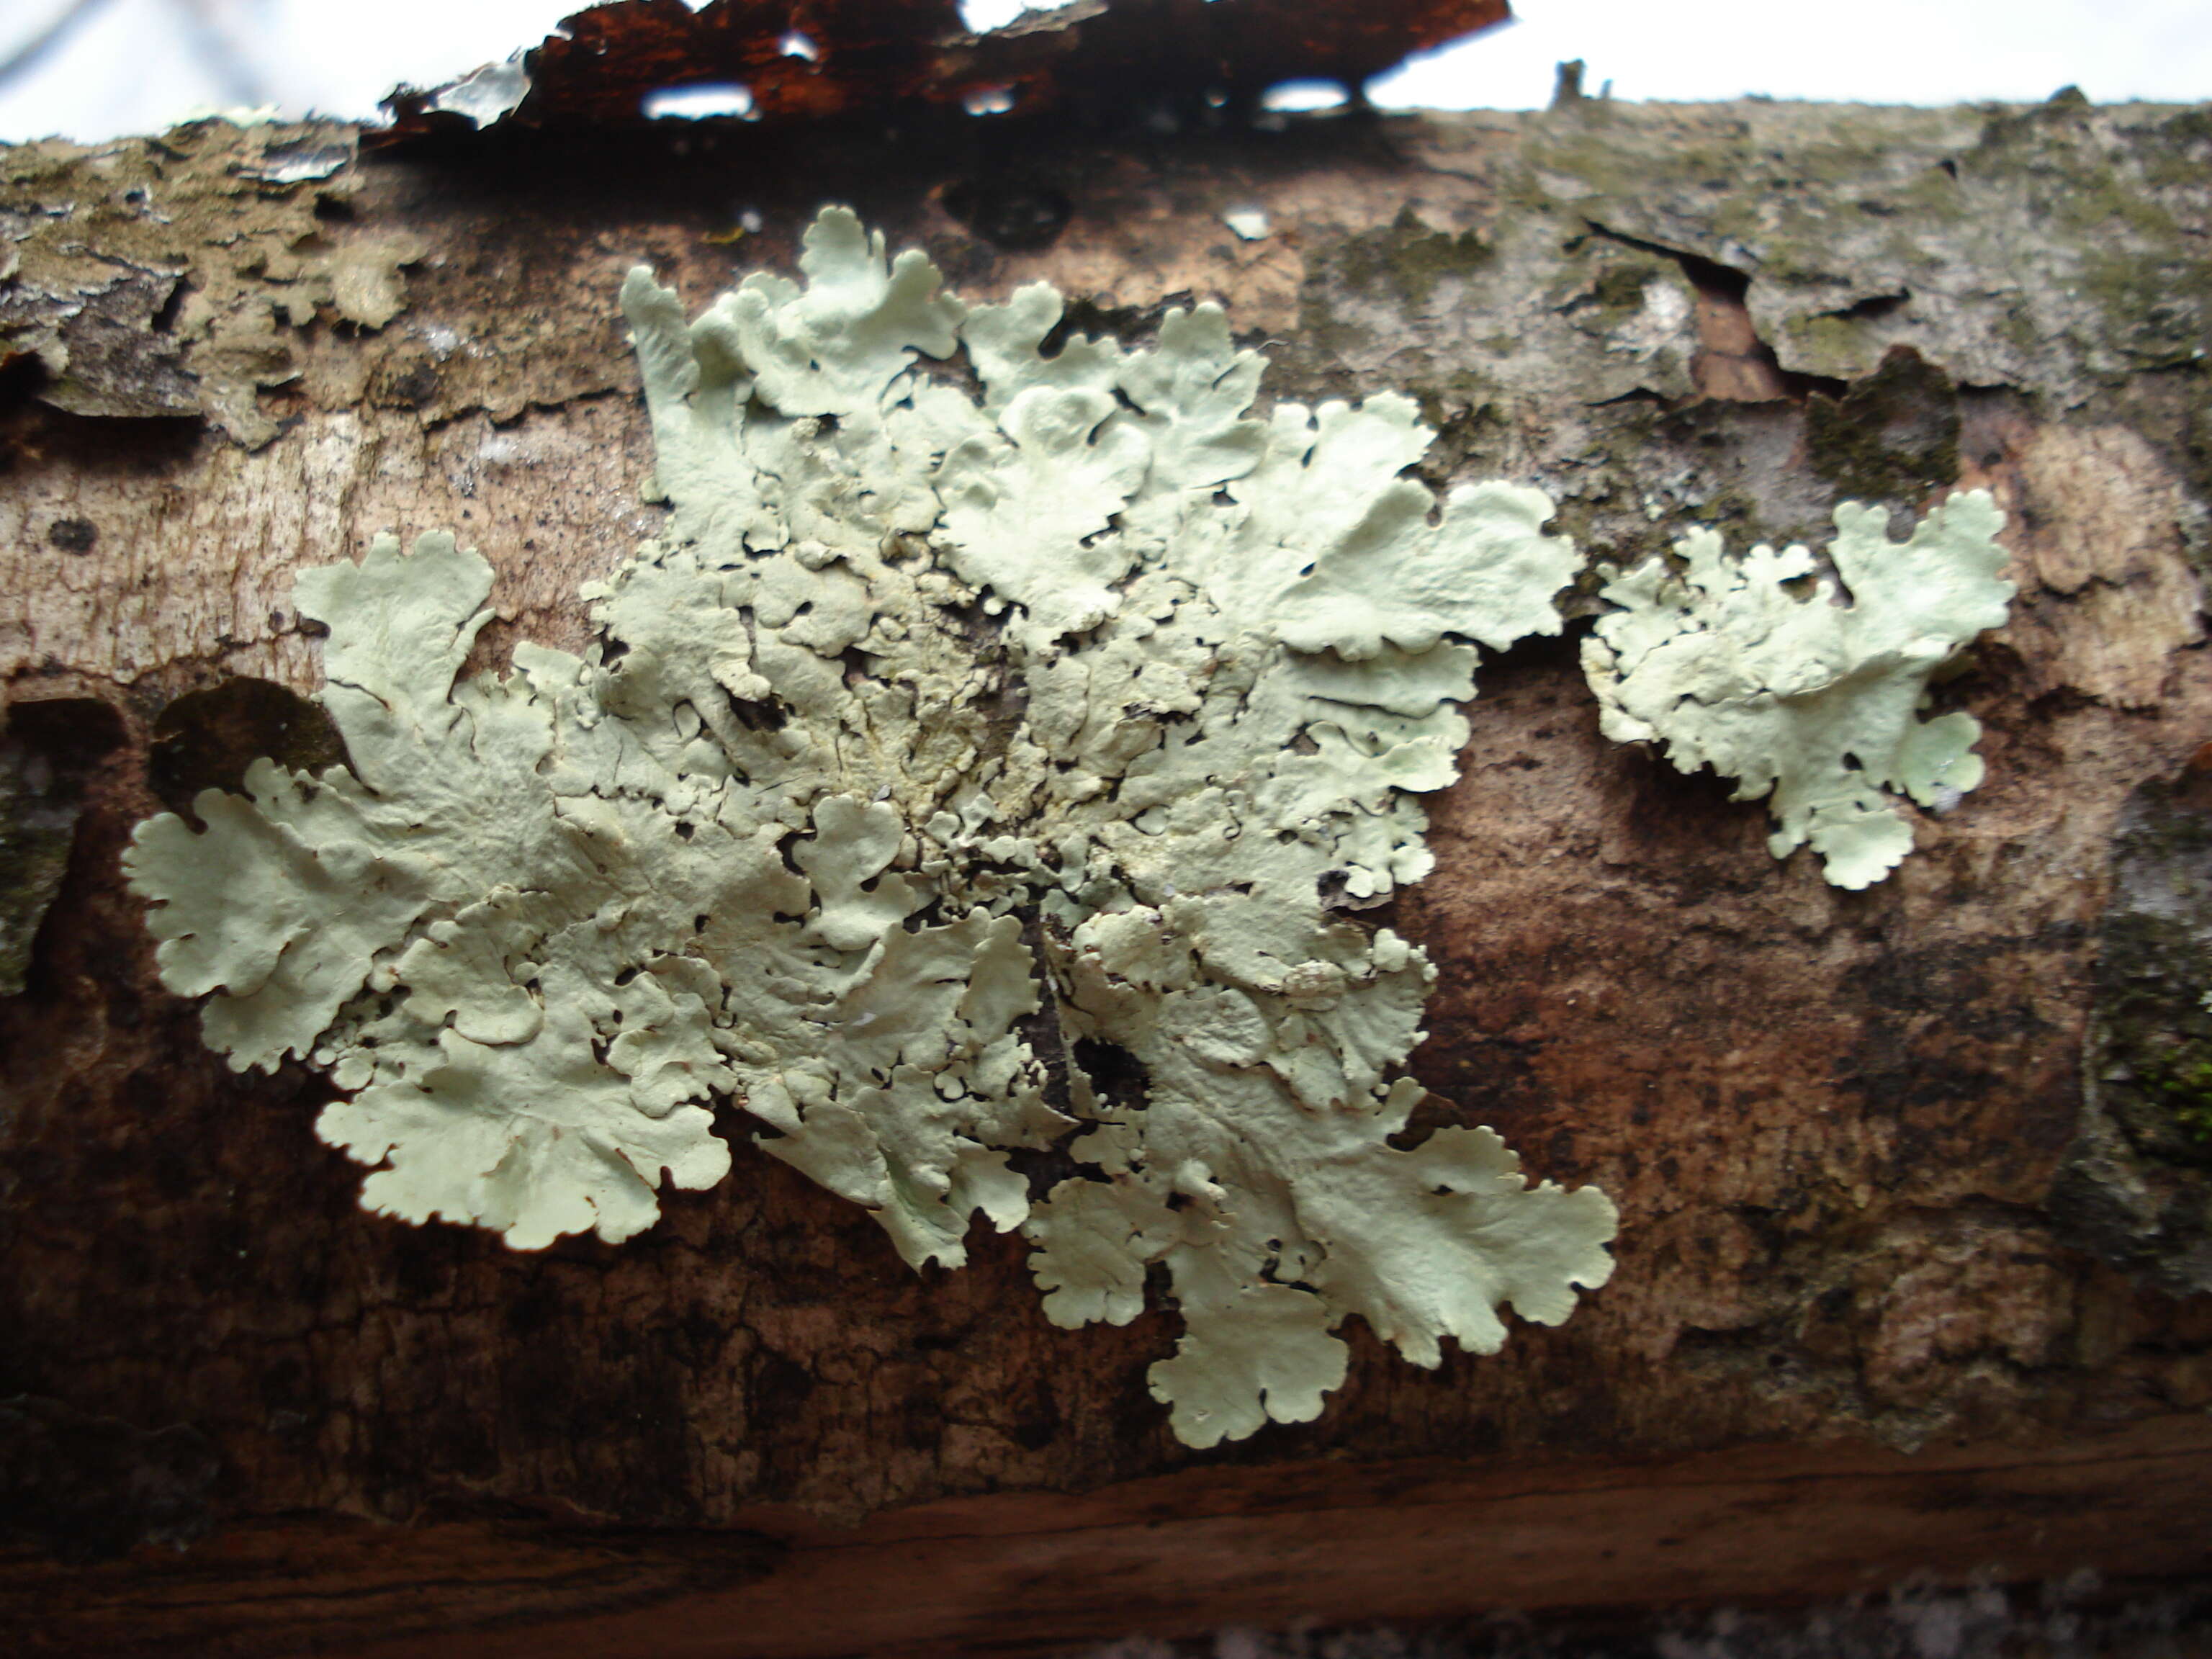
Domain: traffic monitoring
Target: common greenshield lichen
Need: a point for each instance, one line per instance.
(1733, 664)
(939, 727)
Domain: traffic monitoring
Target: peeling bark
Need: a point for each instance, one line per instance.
(906, 59)
(1867, 1201)
(169, 277)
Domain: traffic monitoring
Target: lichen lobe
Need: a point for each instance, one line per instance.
(928, 715)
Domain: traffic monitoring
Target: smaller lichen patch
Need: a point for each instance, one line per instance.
(1798, 694)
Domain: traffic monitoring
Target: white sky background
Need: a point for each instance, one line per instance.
(137, 66)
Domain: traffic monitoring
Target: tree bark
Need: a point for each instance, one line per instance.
(1914, 1181)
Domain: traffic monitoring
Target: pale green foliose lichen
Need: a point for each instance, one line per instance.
(933, 729)
(1730, 665)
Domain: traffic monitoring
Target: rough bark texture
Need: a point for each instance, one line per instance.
(1868, 1209)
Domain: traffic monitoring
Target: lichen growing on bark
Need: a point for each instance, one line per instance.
(1097, 699)
(1799, 695)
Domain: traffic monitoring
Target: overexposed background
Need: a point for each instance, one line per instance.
(91, 68)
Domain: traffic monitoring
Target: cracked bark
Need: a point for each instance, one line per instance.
(1888, 1281)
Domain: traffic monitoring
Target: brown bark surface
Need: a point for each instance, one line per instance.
(1894, 1291)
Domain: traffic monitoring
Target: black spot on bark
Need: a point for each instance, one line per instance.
(73, 535)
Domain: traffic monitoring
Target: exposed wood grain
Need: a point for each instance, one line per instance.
(1330, 1543)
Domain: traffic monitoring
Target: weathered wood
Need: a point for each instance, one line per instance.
(1412, 1541)
(1865, 1206)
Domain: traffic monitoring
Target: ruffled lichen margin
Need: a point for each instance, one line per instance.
(1081, 715)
